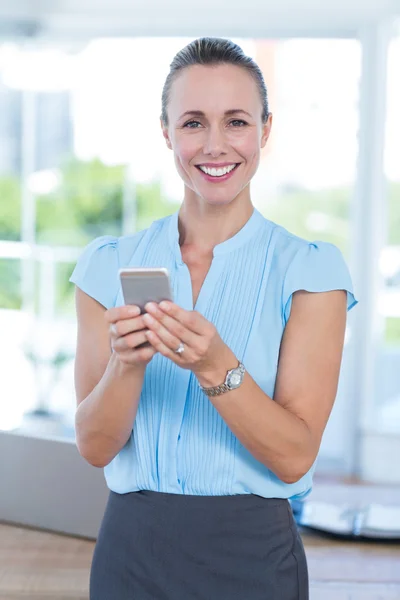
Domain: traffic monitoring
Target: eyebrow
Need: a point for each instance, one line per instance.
(200, 113)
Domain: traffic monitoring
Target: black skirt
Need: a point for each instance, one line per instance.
(158, 546)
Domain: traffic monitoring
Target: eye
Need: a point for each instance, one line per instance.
(190, 123)
(238, 122)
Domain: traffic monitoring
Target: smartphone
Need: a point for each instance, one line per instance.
(142, 285)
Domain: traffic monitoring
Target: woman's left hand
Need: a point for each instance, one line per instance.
(169, 325)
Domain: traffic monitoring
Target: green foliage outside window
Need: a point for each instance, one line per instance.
(86, 204)
(392, 331)
(10, 208)
(10, 283)
(321, 215)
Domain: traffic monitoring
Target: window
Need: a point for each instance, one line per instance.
(11, 150)
(388, 360)
(305, 182)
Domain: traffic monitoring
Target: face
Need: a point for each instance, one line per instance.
(215, 131)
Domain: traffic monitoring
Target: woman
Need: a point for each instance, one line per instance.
(207, 432)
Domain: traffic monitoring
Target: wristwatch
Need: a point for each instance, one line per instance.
(233, 380)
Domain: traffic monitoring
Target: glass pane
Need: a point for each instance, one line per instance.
(10, 285)
(10, 150)
(390, 260)
(388, 365)
(16, 377)
(306, 176)
(97, 166)
(85, 201)
(65, 292)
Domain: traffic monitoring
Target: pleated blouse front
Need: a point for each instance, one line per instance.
(179, 442)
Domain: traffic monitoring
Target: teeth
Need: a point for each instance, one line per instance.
(217, 172)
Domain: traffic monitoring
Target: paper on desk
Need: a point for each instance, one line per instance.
(382, 518)
(328, 517)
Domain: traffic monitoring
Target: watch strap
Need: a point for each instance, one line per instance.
(216, 390)
(223, 387)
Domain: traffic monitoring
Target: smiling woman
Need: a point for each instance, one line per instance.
(206, 433)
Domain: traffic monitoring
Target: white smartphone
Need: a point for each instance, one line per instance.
(144, 284)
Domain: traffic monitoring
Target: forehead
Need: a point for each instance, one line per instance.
(213, 89)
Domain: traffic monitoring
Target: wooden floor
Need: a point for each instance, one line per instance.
(38, 565)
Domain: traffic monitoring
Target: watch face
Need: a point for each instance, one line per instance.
(234, 379)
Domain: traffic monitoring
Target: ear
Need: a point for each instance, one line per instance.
(165, 134)
(266, 130)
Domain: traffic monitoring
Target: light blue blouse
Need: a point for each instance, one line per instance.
(179, 443)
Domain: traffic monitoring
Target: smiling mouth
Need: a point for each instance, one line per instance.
(218, 172)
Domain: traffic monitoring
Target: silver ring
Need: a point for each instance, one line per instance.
(180, 348)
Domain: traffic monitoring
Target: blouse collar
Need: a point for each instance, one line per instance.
(241, 237)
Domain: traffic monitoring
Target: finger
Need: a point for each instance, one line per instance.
(169, 339)
(130, 341)
(125, 326)
(117, 313)
(192, 319)
(174, 326)
(160, 347)
(137, 356)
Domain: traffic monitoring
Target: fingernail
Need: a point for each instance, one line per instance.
(165, 305)
(134, 311)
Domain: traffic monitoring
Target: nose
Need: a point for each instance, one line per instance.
(215, 142)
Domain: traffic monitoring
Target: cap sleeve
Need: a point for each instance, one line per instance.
(96, 272)
(317, 267)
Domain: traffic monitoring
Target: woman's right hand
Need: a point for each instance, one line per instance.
(127, 332)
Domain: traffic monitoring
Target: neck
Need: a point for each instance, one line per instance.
(202, 227)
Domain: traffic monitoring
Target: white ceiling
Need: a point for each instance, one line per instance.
(85, 18)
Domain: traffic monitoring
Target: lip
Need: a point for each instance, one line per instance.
(212, 179)
(217, 165)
